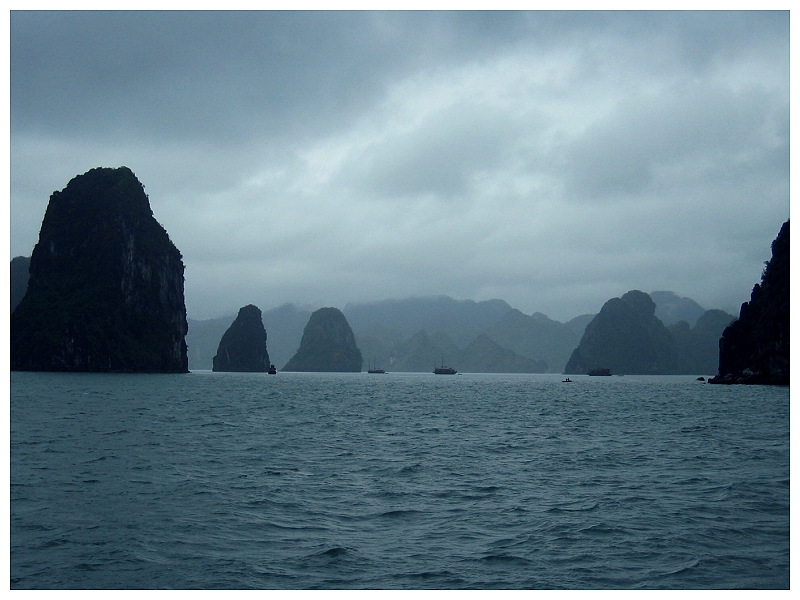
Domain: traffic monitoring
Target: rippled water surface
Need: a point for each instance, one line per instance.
(396, 481)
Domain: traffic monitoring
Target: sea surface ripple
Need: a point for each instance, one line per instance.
(396, 481)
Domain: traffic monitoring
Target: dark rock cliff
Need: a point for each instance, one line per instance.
(243, 347)
(106, 284)
(755, 348)
(626, 337)
(19, 279)
(328, 345)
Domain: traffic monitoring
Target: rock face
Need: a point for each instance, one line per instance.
(19, 279)
(422, 352)
(536, 337)
(243, 347)
(627, 338)
(755, 348)
(671, 308)
(384, 334)
(328, 345)
(698, 346)
(484, 355)
(285, 326)
(106, 284)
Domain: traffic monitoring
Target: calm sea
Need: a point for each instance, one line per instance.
(396, 481)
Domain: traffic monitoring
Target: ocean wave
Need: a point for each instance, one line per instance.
(414, 485)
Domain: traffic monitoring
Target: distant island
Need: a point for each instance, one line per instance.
(243, 347)
(327, 345)
(103, 291)
(413, 334)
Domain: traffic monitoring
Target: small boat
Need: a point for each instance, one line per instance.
(599, 372)
(443, 370)
(567, 380)
(375, 369)
(272, 370)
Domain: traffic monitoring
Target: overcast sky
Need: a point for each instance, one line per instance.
(553, 160)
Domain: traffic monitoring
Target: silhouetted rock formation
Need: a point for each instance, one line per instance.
(626, 337)
(755, 347)
(106, 284)
(671, 308)
(536, 337)
(383, 333)
(461, 320)
(243, 347)
(19, 279)
(285, 325)
(698, 346)
(484, 355)
(328, 345)
(422, 352)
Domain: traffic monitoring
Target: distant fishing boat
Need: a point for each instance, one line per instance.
(375, 369)
(272, 370)
(443, 370)
(600, 372)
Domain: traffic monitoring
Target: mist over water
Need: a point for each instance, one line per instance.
(396, 481)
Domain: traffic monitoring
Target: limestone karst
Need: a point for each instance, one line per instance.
(627, 338)
(327, 345)
(106, 287)
(243, 346)
(19, 279)
(755, 347)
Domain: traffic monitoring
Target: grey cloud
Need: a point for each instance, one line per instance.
(197, 74)
(440, 156)
(553, 159)
(690, 124)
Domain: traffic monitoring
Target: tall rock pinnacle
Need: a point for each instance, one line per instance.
(243, 346)
(106, 284)
(328, 345)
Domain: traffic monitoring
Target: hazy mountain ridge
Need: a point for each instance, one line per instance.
(388, 334)
(627, 337)
(671, 308)
(535, 337)
(382, 334)
(698, 346)
(462, 320)
(484, 355)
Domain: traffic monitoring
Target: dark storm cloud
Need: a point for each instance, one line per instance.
(195, 74)
(553, 159)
